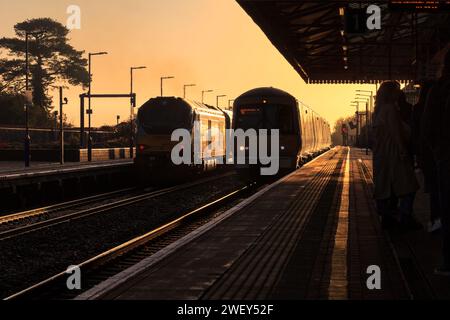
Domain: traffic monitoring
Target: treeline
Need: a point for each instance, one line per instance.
(52, 62)
(12, 112)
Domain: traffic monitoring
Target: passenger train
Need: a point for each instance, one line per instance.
(303, 133)
(159, 117)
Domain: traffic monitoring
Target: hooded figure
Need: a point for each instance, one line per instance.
(393, 170)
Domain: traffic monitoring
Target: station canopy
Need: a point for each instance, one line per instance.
(319, 40)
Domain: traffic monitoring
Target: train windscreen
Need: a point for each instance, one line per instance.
(266, 117)
(164, 119)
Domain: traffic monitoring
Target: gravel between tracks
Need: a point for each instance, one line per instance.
(33, 257)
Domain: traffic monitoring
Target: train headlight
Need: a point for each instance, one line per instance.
(282, 148)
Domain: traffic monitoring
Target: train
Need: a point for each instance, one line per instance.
(303, 134)
(157, 120)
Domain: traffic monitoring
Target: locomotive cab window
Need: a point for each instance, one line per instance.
(250, 117)
(267, 117)
(164, 118)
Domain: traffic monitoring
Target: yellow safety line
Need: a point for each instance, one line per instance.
(338, 286)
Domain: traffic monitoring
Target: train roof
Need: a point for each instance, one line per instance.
(266, 93)
(272, 95)
(193, 105)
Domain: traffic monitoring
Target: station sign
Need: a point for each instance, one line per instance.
(420, 5)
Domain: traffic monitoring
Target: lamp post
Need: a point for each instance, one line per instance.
(131, 76)
(162, 80)
(28, 96)
(366, 100)
(27, 139)
(203, 94)
(89, 111)
(184, 89)
(230, 104)
(357, 121)
(62, 102)
(217, 99)
(55, 128)
(371, 102)
(132, 106)
(354, 105)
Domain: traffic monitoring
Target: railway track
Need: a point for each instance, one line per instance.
(111, 262)
(70, 211)
(15, 217)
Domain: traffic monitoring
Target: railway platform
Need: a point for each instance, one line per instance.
(42, 182)
(14, 169)
(312, 235)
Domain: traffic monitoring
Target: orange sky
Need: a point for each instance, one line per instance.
(212, 43)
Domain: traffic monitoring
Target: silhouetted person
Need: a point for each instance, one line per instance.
(406, 108)
(406, 115)
(425, 160)
(344, 131)
(394, 175)
(436, 130)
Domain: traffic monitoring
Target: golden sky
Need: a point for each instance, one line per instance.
(212, 43)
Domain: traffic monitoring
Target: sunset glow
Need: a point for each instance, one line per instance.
(213, 44)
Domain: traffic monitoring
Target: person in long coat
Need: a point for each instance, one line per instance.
(393, 169)
(436, 132)
(424, 158)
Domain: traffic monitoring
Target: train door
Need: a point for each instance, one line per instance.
(301, 128)
(307, 133)
(311, 127)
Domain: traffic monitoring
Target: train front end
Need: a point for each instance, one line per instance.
(157, 119)
(263, 110)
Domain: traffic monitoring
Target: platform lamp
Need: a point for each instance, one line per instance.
(28, 97)
(365, 99)
(356, 104)
(62, 101)
(217, 99)
(132, 106)
(230, 104)
(89, 111)
(203, 94)
(187, 86)
(162, 82)
(372, 102)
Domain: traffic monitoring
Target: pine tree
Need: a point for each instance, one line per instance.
(51, 60)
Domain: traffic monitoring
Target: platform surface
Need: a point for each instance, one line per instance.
(418, 251)
(16, 169)
(313, 235)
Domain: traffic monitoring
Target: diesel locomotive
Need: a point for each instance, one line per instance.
(159, 117)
